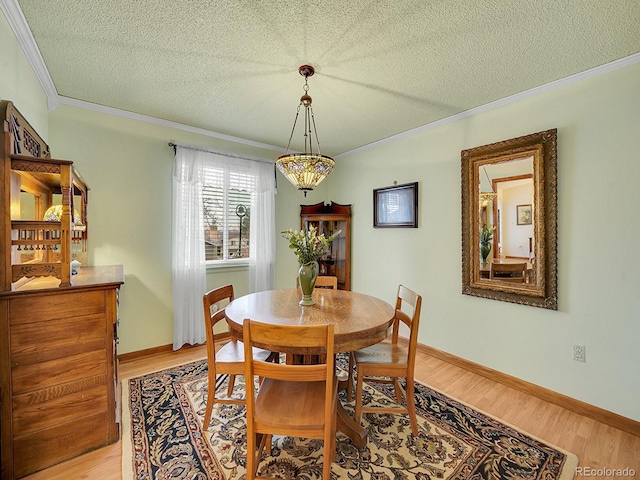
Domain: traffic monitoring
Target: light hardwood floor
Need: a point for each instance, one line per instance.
(597, 445)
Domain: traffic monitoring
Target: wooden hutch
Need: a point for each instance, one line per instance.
(58, 324)
(328, 219)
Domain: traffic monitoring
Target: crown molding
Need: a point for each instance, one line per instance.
(25, 39)
(549, 87)
(163, 123)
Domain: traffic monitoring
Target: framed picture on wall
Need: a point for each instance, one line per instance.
(396, 206)
(524, 214)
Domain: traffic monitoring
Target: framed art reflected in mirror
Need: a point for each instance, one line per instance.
(509, 217)
(524, 215)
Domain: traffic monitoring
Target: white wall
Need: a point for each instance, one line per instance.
(598, 123)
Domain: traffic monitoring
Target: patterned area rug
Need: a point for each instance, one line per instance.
(163, 438)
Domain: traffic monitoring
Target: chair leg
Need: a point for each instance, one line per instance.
(398, 389)
(327, 456)
(334, 423)
(358, 409)
(411, 405)
(251, 456)
(254, 452)
(329, 444)
(350, 380)
(263, 442)
(268, 444)
(211, 397)
(326, 468)
(232, 381)
(274, 357)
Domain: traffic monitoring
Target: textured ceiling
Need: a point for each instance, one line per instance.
(382, 67)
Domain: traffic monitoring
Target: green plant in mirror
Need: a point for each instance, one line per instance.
(486, 236)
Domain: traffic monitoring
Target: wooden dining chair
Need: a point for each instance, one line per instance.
(509, 272)
(323, 281)
(229, 358)
(388, 361)
(293, 400)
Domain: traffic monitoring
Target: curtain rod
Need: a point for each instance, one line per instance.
(174, 145)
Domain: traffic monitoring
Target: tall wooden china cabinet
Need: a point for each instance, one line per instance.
(329, 219)
(58, 372)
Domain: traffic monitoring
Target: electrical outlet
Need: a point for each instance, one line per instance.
(580, 353)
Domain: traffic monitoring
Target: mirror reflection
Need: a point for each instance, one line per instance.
(509, 220)
(506, 221)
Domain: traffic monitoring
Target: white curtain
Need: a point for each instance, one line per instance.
(188, 248)
(262, 269)
(188, 259)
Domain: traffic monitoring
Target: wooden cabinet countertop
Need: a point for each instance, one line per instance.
(85, 278)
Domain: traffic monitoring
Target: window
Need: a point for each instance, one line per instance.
(226, 208)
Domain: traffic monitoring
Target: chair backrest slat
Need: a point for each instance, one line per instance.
(513, 272)
(323, 281)
(293, 373)
(298, 336)
(316, 337)
(214, 313)
(212, 299)
(407, 298)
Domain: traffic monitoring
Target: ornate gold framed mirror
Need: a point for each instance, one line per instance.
(509, 220)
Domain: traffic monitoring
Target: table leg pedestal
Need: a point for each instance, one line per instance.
(346, 424)
(350, 428)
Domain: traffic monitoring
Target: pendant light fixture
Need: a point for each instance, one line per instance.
(486, 198)
(305, 170)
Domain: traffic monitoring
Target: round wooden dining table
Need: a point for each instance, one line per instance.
(359, 321)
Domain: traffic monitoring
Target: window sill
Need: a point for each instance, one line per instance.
(239, 264)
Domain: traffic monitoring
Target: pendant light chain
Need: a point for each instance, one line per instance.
(487, 175)
(313, 119)
(293, 129)
(307, 131)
